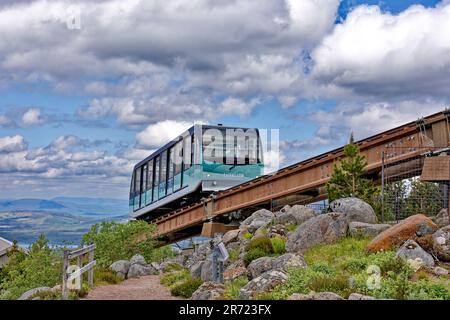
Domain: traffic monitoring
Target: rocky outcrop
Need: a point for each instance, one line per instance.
(358, 296)
(230, 236)
(324, 228)
(366, 230)
(264, 283)
(355, 209)
(316, 296)
(200, 254)
(138, 259)
(411, 228)
(441, 243)
(208, 291)
(258, 219)
(135, 268)
(121, 268)
(234, 273)
(138, 270)
(415, 255)
(282, 263)
(296, 214)
(442, 218)
(439, 271)
(259, 266)
(30, 293)
(196, 269)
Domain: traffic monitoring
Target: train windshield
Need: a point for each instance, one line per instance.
(231, 146)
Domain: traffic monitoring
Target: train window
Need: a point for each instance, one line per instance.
(178, 154)
(156, 180)
(170, 170)
(213, 145)
(149, 193)
(137, 189)
(138, 181)
(163, 174)
(187, 151)
(144, 184)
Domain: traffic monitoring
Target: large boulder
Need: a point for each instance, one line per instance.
(138, 259)
(27, 295)
(233, 273)
(282, 263)
(355, 209)
(441, 243)
(196, 269)
(258, 219)
(121, 268)
(410, 250)
(316, 296)
(288, 260)
(137, 271)
(200, 254)
(413, 227)
(442, 218)
(264, 283)
(259, 266)
(324, 228)
(208, 291)
(358, 296)
(366, 230)
(296, 214)
(230, 236)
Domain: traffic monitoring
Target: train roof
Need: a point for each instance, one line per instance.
(180, 136)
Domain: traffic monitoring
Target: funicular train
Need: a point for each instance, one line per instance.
(201, 160)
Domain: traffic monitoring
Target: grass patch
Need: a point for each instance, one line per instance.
(104, 276)
(186, 288)
(232, 288)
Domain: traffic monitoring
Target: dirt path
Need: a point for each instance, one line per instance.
(144, 288)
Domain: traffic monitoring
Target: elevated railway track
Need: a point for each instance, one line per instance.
(304, 182)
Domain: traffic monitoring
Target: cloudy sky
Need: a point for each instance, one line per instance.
(88, 88)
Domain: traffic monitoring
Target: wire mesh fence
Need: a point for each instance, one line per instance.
(416, 185)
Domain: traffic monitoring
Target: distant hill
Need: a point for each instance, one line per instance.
(61, 219)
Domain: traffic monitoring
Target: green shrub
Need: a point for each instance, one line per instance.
(233, 255)
(263, 243)
(254, 254)
(41, 267)
(186, 288)
(172, 278)
(291, 227)
(339, 284)
(172, 267)
(160, 254)
(103, 276)
(233, 288)
(120, 241)
(248, 235)
(278, 245)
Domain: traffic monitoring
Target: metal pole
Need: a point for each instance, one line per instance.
(382, 186)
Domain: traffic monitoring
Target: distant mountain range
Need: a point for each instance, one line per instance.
(63, 219)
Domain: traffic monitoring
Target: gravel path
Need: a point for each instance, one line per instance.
(143, 288)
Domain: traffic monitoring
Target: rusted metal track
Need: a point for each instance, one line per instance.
(413, 139)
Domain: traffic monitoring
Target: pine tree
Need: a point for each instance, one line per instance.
(347, 179)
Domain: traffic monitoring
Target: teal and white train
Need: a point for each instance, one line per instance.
(200, 161)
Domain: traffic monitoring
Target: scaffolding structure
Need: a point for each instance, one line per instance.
(416, 185)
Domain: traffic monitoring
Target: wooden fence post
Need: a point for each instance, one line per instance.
(91, 271)
(65, 293)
